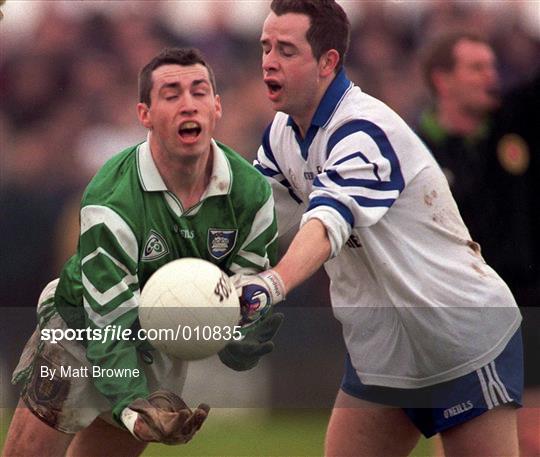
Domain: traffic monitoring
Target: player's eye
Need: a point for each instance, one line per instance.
(287, 52)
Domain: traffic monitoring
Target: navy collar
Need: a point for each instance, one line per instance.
(328, 105)
(330, 100)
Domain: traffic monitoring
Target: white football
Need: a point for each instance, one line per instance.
(189, 309)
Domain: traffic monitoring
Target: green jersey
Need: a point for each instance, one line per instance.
(131, 225)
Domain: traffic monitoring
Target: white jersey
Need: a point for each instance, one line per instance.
(417, 302)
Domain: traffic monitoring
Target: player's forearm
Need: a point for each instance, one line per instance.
(120, 377)
(308, 251)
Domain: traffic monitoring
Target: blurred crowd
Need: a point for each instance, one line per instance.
(68, 83)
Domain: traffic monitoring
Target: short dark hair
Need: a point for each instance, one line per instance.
(439, 53)
(170, 56)
(329, 26)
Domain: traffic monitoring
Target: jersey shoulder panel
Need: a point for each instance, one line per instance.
(376, 120)
(249, 187)
(117, 186)
(357, 105)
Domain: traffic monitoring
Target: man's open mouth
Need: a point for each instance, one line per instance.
(189, 130)
(273, 87)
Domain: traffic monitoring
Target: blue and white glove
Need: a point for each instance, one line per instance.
(258, 293)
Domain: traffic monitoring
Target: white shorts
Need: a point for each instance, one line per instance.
(65, 399)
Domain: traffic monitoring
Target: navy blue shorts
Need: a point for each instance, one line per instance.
(436, 408)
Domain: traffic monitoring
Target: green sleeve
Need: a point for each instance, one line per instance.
(258, 252)
(108, 253)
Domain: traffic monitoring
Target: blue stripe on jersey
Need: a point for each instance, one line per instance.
(362, 201)
(337, 205)
(271, 173)
(287, 184)
(294, 196)
(353, 182)
(364, 158)
(373, 202)
(380, 138)
(303, 143)
(267, 148)
(266, 171)
(330, 101)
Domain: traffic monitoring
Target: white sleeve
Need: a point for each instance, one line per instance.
(360, 181)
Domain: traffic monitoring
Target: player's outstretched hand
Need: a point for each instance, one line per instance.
(163, 417)
(245, 354)
(258, 293)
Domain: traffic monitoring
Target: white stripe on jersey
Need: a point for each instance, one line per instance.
(129, 277)
(263, 219)
(237, 269)
(355, 191)
(93, 215)
(108, 319)
(267, 167)
(262, 262)
(102, 298)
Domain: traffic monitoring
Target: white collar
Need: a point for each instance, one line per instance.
(151, 180)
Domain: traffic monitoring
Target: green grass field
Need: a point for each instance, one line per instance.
(240, 432)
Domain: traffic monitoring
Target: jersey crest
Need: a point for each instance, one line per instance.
(155, 247)
(221, 242)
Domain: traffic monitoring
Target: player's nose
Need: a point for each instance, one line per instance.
(270, 61)
(187, 104)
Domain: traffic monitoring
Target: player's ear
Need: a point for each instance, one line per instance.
(143, 112)
(328, 63)
(219, 110)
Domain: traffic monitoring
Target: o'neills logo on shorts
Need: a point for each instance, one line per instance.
(458, 409)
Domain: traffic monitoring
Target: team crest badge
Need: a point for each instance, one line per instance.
(221, 242)
(155, 247)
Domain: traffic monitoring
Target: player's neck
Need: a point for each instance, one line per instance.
(304, 121)
(305, 114)
(187, 179)
(458, 121)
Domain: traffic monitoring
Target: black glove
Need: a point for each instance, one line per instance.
(245, 354)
